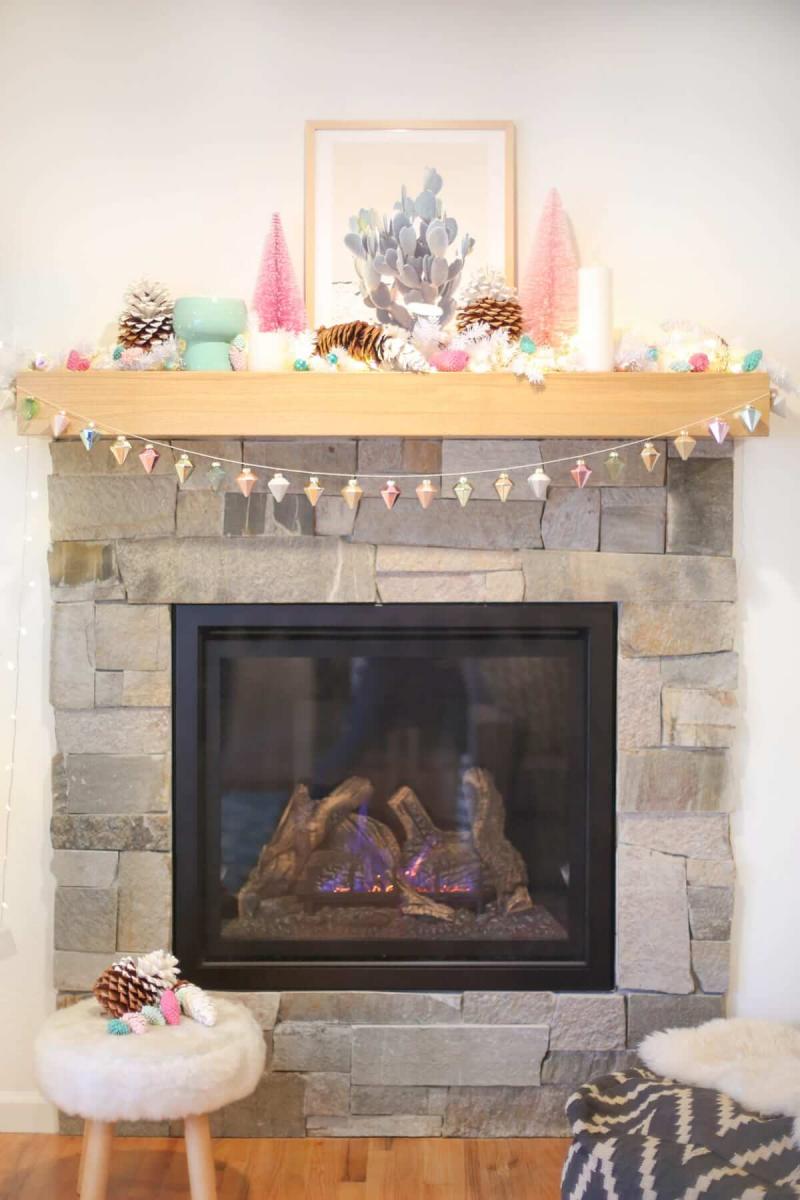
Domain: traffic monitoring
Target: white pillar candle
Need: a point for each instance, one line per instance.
(595, 319)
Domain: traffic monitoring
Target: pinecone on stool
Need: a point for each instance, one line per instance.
(488, 299)
(121, 989)
(147, 317)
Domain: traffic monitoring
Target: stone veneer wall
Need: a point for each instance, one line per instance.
(126, 546)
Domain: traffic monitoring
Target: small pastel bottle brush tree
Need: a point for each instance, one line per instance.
(277, 300)
(402, 258)
(549, 293)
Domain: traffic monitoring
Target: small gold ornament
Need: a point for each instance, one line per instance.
(503, 486)
(120, 448)
(313, 490)
(183, 468)
(352, 493)
(684, 443)
(426, 492)
(650, 455)
(463, 490)
(279, 486)
(246, 481)
(539, 482)
(615, 466)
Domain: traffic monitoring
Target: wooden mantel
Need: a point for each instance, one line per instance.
(185, 404)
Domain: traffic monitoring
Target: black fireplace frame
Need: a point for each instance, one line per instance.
(595, 622)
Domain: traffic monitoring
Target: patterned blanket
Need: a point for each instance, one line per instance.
(637, 1136)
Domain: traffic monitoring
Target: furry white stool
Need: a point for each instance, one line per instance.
(181, 1072)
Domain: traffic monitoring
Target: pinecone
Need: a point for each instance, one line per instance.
(121, 989)
(489, 299)
(147, 318)
(360, 339)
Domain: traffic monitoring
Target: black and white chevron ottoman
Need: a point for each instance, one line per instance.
(637, 1136)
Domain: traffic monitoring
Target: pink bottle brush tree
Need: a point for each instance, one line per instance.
(277, 298)
(549, 292)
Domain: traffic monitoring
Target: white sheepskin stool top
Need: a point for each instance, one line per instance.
(168, 1073)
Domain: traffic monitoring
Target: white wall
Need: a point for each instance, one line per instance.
(158, 137)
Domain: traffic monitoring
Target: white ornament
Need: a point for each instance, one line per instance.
(197, 1004)
(399, 353)
(160, 966)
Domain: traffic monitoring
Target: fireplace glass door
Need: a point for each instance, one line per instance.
(399, 796)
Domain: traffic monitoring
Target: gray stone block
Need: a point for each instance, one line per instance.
(652, 921)
(587, 1022)
(311, 1046)
(72, 655)
(77, 970)
(638, 703)
(258, 514)
(508, 1008)
(134, 637)
(247, 571)
(564, 575)
(443, 1055)
(147, 689)
(710, 872)
(700, 506)
(85, 868)
(571, 519)
(199, 514)
(711, 913)
(367, 1008)
(302, 457)
(103, 783)
(576, 1067)
(635, 473)
(275, 1109)
(245, 516)
(673, 780)
(478, 1112)
(702, 670)
(655, 629)
(108, 689)
(698, 717)
(692, 835)
(101, 507)
(397, 1101)
(711, 965)
(483, 524)
(327, 1094)
(333, 518)
(145, 899)
(464, 457)
(263, 1005)
(407, 574)
(116, 832)
(84, 571)
(374, 1127)
(217, 448)
(86, 919)
(128, 731)
(633, 520)
(649, 1014)
(397, 456)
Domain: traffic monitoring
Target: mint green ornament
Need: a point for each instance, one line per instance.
(153, 1015)
(300, 364)
(751, 361)
(117, 355)
(652, 353)
(118, 1027)
(30, 408)
(332, 358)
(680, 366)
(527, 345)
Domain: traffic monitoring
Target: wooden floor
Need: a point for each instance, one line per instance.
(45, 1167)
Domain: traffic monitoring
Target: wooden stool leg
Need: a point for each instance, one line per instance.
(95, 1159)
(200, 1158)
(82, 1163)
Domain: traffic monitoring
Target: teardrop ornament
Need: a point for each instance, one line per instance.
(718, 429)
(580, 473)
(503, 486)
(89, 436)
(279, 486)
(215, 475)
(650, 455)
(352, 493)
(59, 424)
(391, 493)
(426, 492)
(183, 468)
(313, 490)
(463, 490)
(615, 466)
(246, 481)
(120, 448)
(539, 482)
(750, 417)
(684, 443)
(149, 457)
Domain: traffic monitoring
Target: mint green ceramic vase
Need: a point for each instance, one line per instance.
(207, 325)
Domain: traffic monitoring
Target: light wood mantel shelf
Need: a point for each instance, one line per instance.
(187, 404)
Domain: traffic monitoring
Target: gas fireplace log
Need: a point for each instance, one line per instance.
(303, 827)
(434, 859)
(414, 904)
(503, 864)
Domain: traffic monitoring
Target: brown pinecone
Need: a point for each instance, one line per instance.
(360, 339)
(147, 317)
(497, 314)
(121, 989)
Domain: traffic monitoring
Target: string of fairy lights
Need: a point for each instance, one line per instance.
(718, 426)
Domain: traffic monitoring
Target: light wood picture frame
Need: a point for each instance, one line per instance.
(363, 164)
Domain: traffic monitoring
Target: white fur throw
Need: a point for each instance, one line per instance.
(757, 1063)
(167, 1073)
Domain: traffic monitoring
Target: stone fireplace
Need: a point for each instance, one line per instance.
(456, 1060)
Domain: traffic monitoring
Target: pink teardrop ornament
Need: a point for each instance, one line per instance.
(426, 492)
(59, 424)
(719, 430)
(390, 493)
(246, 481)
(580, 473)
(149, 457)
